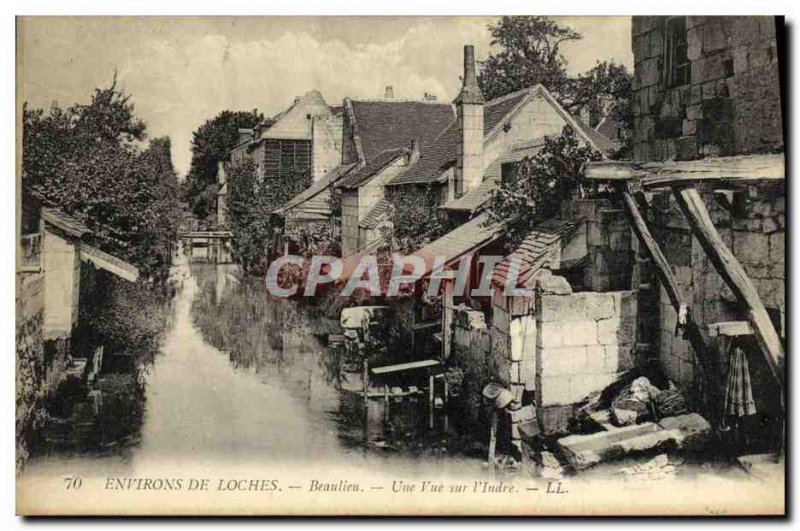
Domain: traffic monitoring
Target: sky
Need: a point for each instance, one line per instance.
(182, 71)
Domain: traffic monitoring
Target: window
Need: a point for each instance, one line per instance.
(677, 64)
(507, 170)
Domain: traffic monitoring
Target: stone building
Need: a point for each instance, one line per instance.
(466, 162)
(708, 176)
(304, 141)
(370, 129)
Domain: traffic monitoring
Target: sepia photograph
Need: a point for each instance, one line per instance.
(520, 265)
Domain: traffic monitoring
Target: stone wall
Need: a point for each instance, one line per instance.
(583, 342)
(731, 103)
(608, 243)
(752, 222)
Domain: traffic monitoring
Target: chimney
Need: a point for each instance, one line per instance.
(389, 92)
(469, 111)
(413, 152)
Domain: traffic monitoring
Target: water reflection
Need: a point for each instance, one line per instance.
(240, 377)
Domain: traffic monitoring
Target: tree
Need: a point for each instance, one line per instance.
(251, 201)
(211, 143)
(533, 193)
(530, 54)
(86, 161)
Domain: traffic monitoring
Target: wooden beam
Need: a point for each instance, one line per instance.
(729, 268)
(108, 262)
(664, 272)
(730, 329)
(739, 168)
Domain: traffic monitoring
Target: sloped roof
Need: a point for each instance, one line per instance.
(461, 241)
(536, 250)
(443, 151)
(375, 215)
(374, 165)
(329, 178)
(65, 222)
(382, 125)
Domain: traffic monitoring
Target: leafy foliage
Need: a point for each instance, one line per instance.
(416, 219)
(86, 160)
(211, 143)
(530, 54)
(251, 201)
(533, 193)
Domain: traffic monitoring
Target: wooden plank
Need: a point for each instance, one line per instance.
(664, 272)
(108, 262)
(413, 365)
(739, 168)
(729, 268)
(730, 329)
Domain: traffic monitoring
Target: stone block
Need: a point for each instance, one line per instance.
(528, 373)
(561, 307)
(628, 303)
(777, 249)
(562, 361)
(686, 148)
(608, 330)
(555, 391)
(599, 306)
(596, 359)
(751, 247)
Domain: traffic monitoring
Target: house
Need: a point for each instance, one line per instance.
(468, 159)
(370, 130)
(303, 141)
(53, 248)
(711, 251)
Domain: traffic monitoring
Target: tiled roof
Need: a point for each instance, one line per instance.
(375, 215)
(330, 178)
(373, 166)
(382, 125)
(601, 141)
(460, 241)
(442, 153)
(536, 251)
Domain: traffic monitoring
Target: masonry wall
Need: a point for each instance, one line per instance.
(608, 243)
(752, 222)
(731, 104)
(583, 342)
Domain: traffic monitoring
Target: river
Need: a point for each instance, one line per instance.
(244, 381)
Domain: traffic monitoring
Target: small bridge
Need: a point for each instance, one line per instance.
(208, 246)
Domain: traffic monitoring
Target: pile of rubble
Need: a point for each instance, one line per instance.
(634, 418)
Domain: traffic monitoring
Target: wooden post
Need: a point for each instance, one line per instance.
(430, 400)
(385, 402)
(664, 272)
(447, 318)
(492, 442)
(733, 273)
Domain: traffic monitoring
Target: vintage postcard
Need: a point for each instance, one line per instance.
(512, 265)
